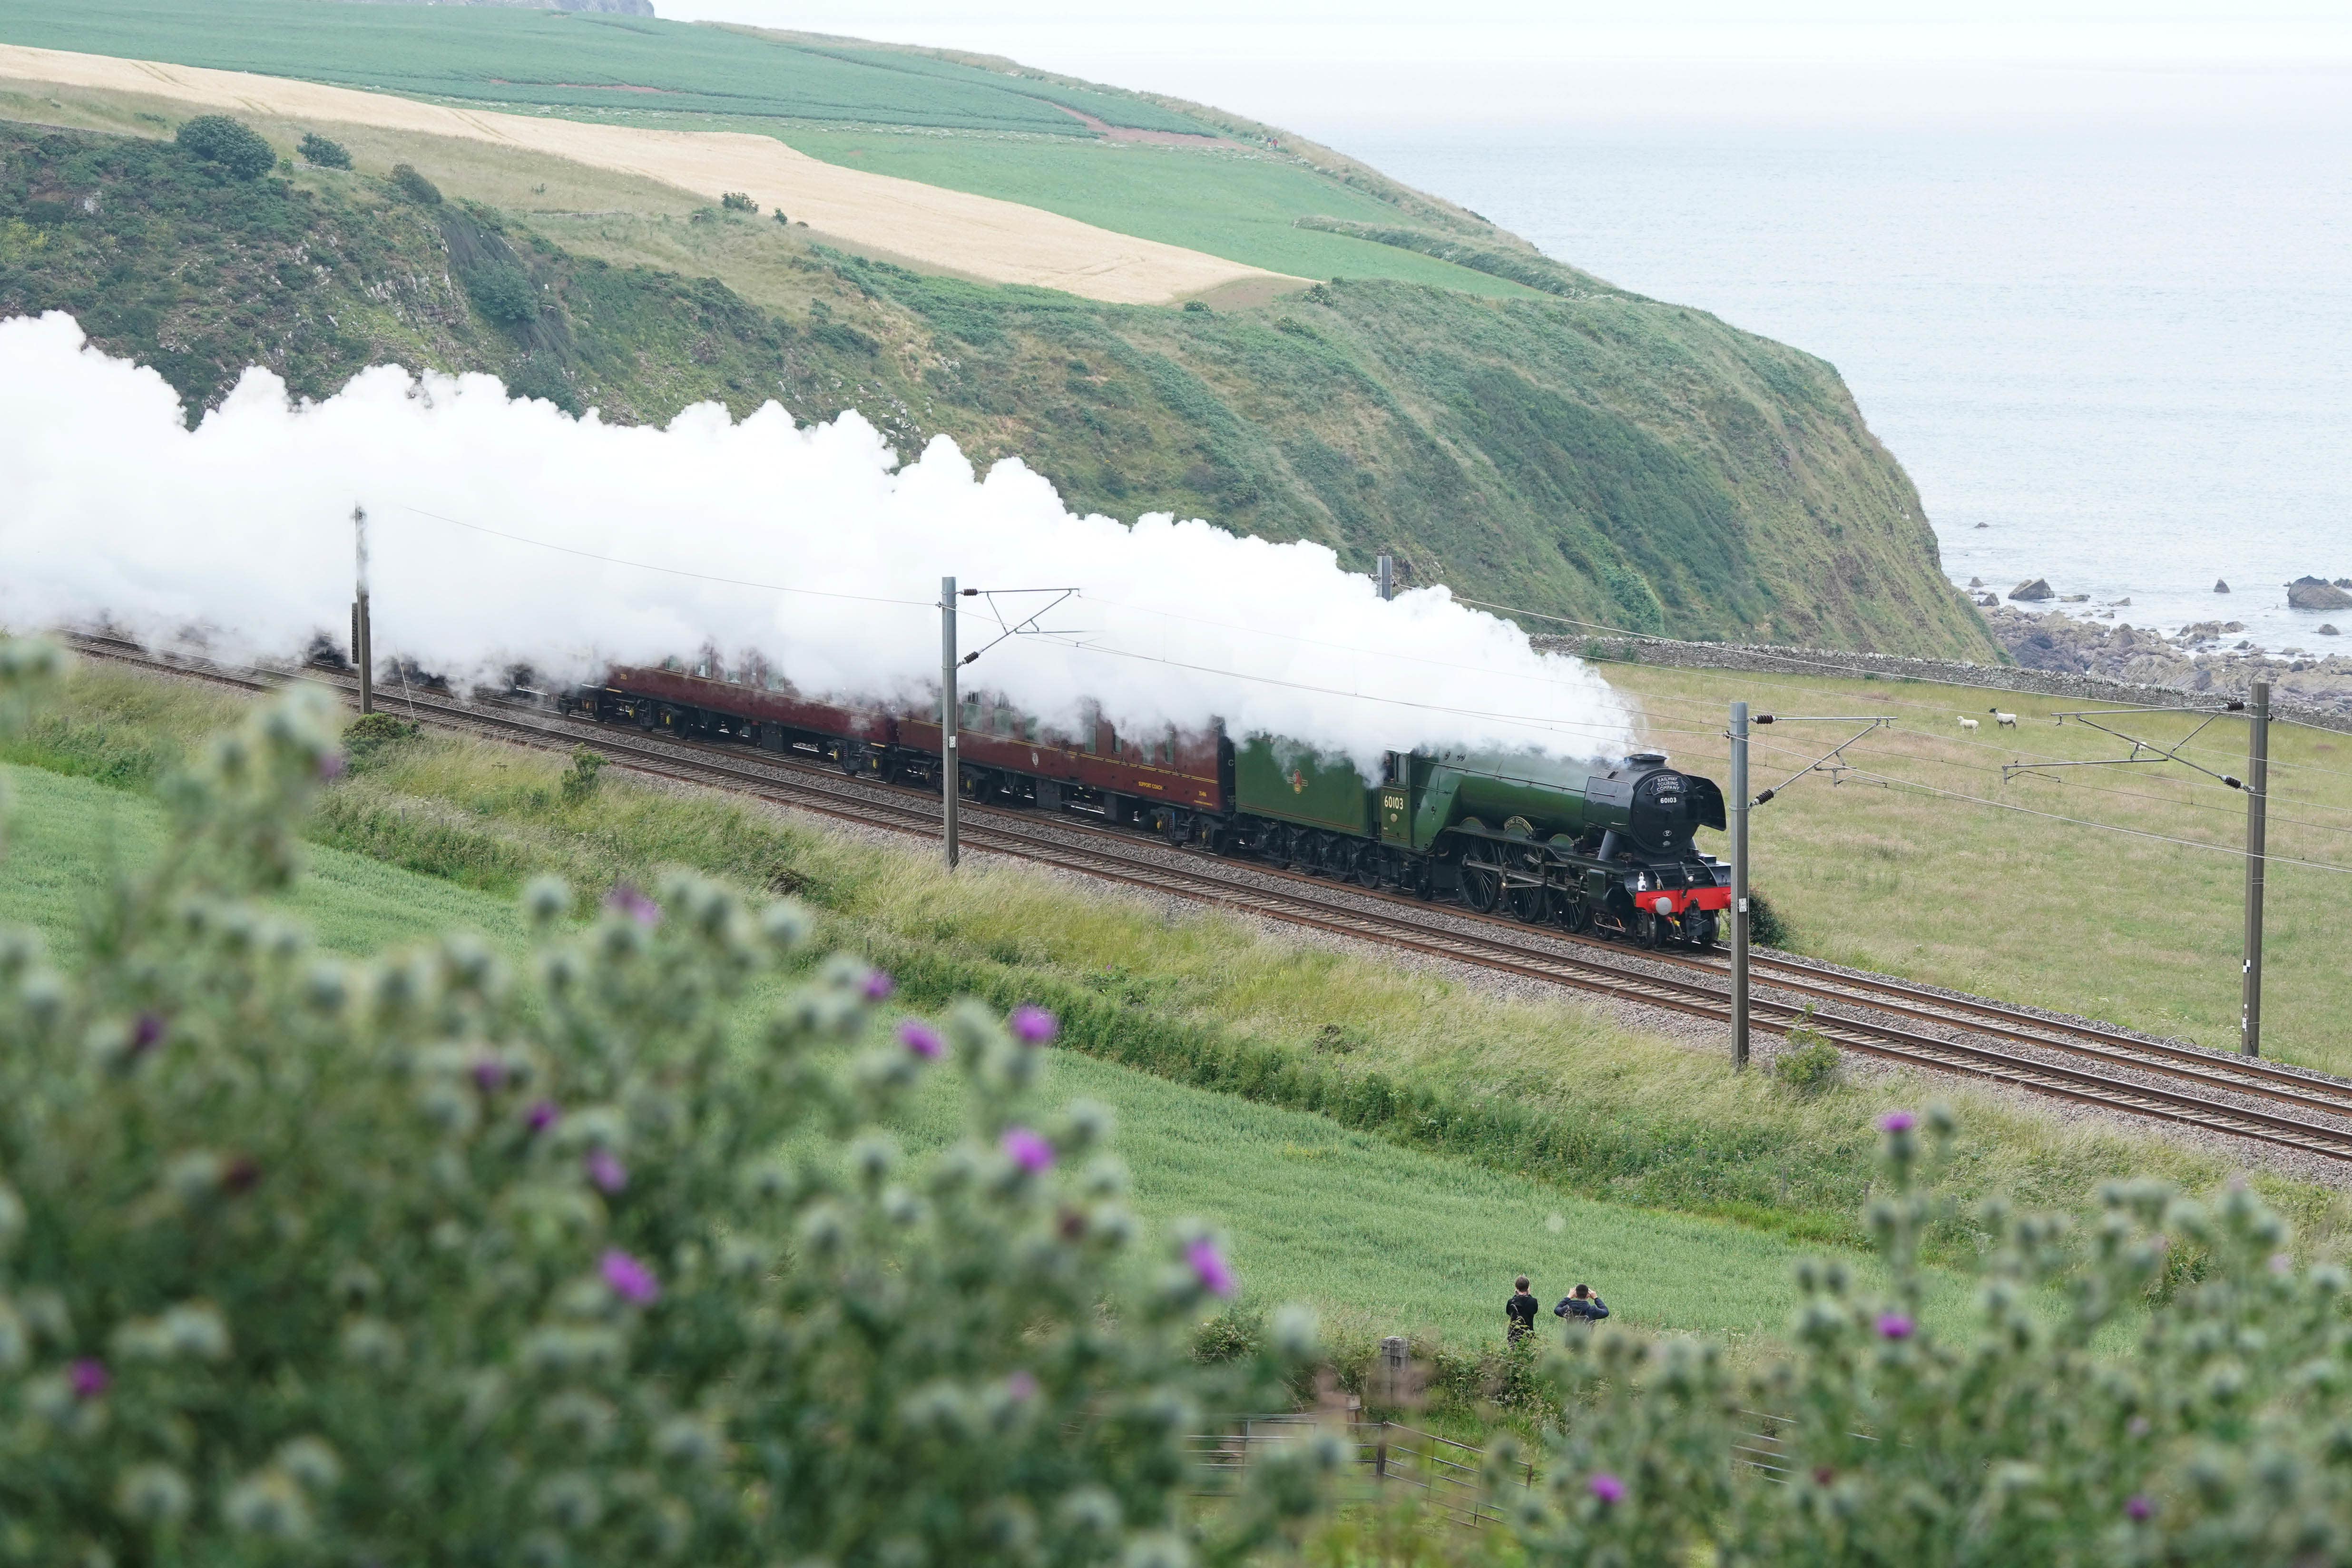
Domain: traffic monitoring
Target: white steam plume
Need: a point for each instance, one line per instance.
(110, 507)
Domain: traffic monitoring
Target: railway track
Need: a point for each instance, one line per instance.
(1878, 1017)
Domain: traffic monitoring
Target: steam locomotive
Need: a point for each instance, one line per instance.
(1611, 853)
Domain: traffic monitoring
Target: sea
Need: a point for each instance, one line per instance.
(2112, 353)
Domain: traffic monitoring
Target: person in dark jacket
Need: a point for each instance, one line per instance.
(1581, 1306)
(1519, 1311)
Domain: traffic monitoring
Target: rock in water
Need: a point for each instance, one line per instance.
(2316, 594)
(1975, 582)
(2328, 631)
(2219, 587)
(2344, 581)
(2033, 592)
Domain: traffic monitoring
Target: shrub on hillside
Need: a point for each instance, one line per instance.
(2216, 1433)
(318, 151)
(427, 1259)
(232, 144)
(503, 294)
(738, 201)
(414, 187)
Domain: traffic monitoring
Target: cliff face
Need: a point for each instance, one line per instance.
(1595, 456)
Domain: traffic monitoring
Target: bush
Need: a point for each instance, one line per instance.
(1808, 1064)
(1200, 307)
(422, 1260)
(414, 187)
(2214, 1433)
(368, 736)
(325, 155)
(782, 220)
(231, 143)
(738, 202)
(503, 294)
(580, 780)
(1764, 924)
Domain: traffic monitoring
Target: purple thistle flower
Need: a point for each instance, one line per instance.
(605, 1169)
(2139, 1507)
(1894, 1326)
(146, 1032)
(1897, 1121)
(332, 766)
(2138, 1427)
(2282, 1264)
(490, 1075)
(88, 1378)
(1607, 1488)
(879, 987)
(1027, 1149)
(1033, 1026)
(1208, 1267)
(626, 900)
(629, 1279)
(542, 1115)
(1022, 1386)
(922, 1039)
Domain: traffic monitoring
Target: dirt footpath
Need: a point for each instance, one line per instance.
(977, 236)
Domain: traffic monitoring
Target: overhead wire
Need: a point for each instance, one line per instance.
(1860, 673)
(670, 571)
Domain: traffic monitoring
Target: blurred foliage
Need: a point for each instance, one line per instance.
(420, 1259)
(2219, 1434)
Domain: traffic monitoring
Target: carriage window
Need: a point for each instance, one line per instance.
(672, 663)
(970, 719)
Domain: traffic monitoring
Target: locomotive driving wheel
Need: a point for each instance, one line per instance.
(1532, 905)
(1482, 879)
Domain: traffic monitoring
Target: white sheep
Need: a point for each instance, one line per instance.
(2006, 721)
(1969, 723)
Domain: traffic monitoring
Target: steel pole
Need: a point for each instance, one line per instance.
(363, 633)
(1740, 886)
(951, 773)
(1387, 575)
(2258, 784)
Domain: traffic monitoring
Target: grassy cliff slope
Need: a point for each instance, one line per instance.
(1601, 456)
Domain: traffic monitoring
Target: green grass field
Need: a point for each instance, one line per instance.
(1878, 873)
(1231, 202)
(501, 57)
(955, 125)
(1380, 1239)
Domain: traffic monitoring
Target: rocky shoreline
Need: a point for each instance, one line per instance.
(2207, 657)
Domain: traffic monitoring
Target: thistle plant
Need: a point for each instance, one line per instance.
(602, 1261)
(2122, 1425)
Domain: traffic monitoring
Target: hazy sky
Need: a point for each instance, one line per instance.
(1354, 60)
